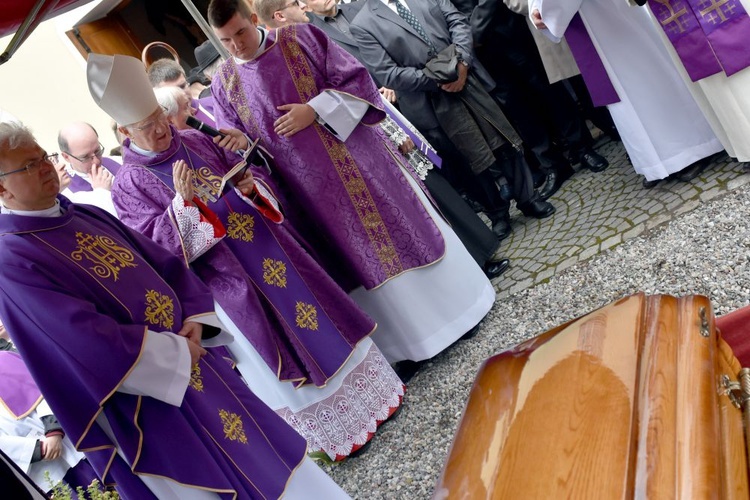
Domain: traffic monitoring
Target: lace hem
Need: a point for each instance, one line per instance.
(418, 161)
(197, 236)
(348, 419)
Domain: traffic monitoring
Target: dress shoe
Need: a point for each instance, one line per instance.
(649, 184)
(555, 180)
(471, 333)
(407, 369)
(494, 268)
(539, 209)
(692, 171)
(501, 228)
(593, 161)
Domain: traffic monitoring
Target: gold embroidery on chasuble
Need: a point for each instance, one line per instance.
(108, 258)
(230, 78)
(206, 184)
(674, 22)
(233, 429)
(159, 309)
(712, 10)
(346, 167)
(240, 226)
(307, 316)
(274, 273)
(196, 381)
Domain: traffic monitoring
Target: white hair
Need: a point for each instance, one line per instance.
(14, 135)
(168, 98)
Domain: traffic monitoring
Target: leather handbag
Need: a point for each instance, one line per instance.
(443, 68)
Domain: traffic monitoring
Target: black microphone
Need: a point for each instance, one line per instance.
(208, 130)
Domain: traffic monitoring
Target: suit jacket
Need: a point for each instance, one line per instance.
(395, 54)
(344, 40)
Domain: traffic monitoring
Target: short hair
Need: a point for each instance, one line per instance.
(167, 97)
(266, 8)
(14, 135)
(62, 139)
(221, 11)
(164, 70)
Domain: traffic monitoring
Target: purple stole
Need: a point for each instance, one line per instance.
(710, 36)
(18, 391)
(593, 72)
(102, 280)
(315, 335)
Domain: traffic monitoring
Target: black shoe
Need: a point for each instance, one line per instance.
(649, 184)
(539, 178)
(471, 333)
(407, 369)
(501, 228)
(555, 180)
(538, 209)
(690, 172)
(494, 268)
(593, 161)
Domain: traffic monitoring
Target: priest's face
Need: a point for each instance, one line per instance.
(239, 36)
(152, 133)
(28, 180)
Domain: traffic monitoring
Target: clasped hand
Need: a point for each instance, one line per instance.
(458, 85)
(298, 117)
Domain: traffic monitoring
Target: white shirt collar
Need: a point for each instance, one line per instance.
(261, 46)
(53, 211)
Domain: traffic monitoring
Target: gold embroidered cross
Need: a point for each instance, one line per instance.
(241, 226)
(233, 429)
(674, 18)
(159, 309)
(307, 316)
(274, 273)
(714, 13)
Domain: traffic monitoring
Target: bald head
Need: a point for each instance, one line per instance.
(79, 145)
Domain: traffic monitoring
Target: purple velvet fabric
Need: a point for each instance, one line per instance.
(78, 292)
(259, 273)
(350, 196)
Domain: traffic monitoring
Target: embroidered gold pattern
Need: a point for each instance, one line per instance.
(196, 381)
(206, 184)
(712, 10)
(274, 272)
(240, 226)
(230, 80)
(348, 171)
(159, 309)
(307, 316)
(108, 258)
(233, 429)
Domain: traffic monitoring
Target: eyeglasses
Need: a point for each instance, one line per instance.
(293, 2)
(34, 164)
(160, 118)
(89, 158)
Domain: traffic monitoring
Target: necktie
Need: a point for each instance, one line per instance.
(412, 21)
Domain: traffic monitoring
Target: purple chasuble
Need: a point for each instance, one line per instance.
(78, 183)
(109, 284)
(18, 391)
(350, 195)
(587, 58)
(295, 316)
(708, 35)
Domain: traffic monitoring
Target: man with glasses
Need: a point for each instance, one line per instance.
(90, 171)
(277, 13)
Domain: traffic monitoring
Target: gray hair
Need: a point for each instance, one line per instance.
(14, 135)
(168, 99)
(164, 70)
(210, 70)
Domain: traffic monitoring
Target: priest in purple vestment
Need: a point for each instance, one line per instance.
(111, 328)
(317, 110)
(288, 311)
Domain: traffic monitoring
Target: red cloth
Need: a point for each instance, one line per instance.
(735, 330)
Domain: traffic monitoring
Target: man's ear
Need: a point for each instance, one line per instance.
(254, 19)
(65, 156)
(125, 132)
(4, 193)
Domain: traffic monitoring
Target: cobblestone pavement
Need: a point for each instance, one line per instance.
(598, 211)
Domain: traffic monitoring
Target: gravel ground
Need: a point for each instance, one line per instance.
(706, 251)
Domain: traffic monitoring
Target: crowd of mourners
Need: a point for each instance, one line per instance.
(282, 237)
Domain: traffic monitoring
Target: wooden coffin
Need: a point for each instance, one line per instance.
(625, 402)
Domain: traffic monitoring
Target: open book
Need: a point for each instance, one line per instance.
(238, 171)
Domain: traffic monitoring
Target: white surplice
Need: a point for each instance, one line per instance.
(724, 100)
(662, 128)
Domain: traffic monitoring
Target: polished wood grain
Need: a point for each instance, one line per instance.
(620, 403)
